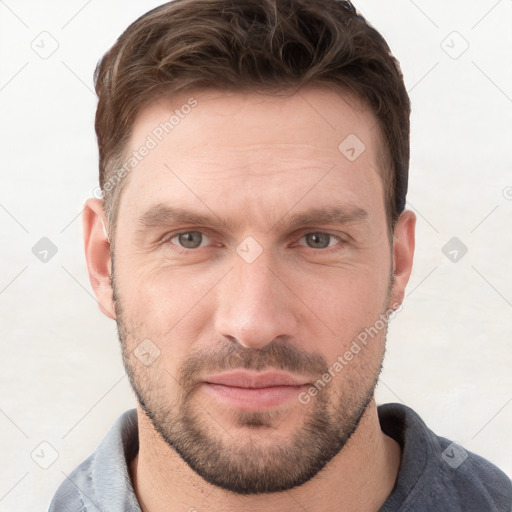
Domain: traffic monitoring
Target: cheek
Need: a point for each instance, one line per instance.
(175, 306)
(170, 306)
(347, 296)
(348, 304)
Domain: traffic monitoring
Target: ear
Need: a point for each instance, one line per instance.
(403, 253)
(97, 254)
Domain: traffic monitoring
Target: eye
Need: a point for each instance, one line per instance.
(188, 239)
(319, 240)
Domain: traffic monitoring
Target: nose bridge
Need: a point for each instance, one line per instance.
(254, 307)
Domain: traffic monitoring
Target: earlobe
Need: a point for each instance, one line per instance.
(97, 253)
(403, 253)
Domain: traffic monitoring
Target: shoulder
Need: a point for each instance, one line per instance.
(468, 481)
(439, 474)
(74, 493)
(102, 481)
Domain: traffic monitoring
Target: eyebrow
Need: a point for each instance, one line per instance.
(325, 215)
(163, 215)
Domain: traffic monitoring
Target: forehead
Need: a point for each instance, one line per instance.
(261, 151)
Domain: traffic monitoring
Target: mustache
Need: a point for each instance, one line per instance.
(277, 355)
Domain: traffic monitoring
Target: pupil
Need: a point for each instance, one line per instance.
(190, 240)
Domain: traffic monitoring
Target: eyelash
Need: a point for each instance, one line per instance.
(167, 240)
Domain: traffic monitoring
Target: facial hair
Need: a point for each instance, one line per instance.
(254, 460)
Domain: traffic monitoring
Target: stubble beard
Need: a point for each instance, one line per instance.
(251, 457)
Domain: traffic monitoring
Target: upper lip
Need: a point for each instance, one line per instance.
(246, 379)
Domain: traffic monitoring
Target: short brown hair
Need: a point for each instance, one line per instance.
(270, 45)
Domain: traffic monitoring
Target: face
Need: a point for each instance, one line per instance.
(251, 256)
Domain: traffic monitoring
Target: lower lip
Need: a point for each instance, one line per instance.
(253, 398)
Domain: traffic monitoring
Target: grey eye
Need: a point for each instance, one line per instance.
(190, 239)
(318, 240)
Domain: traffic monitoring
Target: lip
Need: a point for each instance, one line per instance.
(254, 391)
(253, 380)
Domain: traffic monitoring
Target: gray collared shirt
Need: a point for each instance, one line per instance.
(435, 474)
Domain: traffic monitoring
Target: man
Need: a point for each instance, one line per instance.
(252, 246)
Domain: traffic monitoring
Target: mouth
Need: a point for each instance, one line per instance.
(251, 390)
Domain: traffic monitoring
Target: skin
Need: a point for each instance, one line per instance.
(258, 160)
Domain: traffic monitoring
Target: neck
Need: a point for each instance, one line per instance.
(359, 478)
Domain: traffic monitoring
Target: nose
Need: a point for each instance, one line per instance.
(255, 305)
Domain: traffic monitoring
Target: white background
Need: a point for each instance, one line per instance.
(449, 351)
